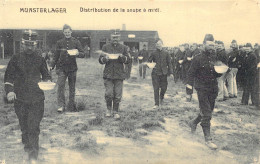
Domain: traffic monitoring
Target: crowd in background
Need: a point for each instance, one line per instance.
(242, 61)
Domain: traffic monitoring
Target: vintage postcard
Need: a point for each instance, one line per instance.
(149, 81)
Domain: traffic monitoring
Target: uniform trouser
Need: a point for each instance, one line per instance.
(222, 89)
(232, 82)
(113, 93)
(142, 70)
(249, 89)
(159, 82)
(30, 116)
(207, 97)
(62, 76)
(128, 69)
(186, 68)
(178, 74)
(241, 78)
(183, 73)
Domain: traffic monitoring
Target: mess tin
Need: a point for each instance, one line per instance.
(72, 52)
(46, 85)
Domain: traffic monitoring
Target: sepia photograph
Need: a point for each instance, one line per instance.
(130, 82)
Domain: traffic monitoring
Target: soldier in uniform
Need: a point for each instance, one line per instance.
(179, 61)
(175, 64)
(22, 75)
(66, 67)
(162, 68)
(128, 67)
(203, 78)
(222, 56)
(250, 66)
(142, 67)
(114, 73)
(233, 65)
(240, 66)
(186, 61)
(194, 50)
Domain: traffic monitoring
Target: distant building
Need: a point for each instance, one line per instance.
(94, 39)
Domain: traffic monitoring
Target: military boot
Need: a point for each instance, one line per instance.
(116, 109)
(208, 140)
(193, 123)
(109, 109)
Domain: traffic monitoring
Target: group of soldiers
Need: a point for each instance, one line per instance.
(182, 56)
(193, 65)
(241, 60)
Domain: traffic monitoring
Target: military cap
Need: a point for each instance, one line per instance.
(234, 41)
(115, 32)
(208, 37)
(248, 45)
(29, 37)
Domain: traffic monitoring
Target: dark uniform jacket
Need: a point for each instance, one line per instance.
(232, 59)
(187, 54)
(173, 60)
(163, 62)
(114, 68)
(22, 76)
(195, 52)
(241, 59)
(222, 56)
(202, 73)
(179, 55)
(145, 55)
(62, 59)
(250, 67)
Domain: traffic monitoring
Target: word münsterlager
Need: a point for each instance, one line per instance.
(43, 10)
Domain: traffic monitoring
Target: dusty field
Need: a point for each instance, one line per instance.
(142, 135)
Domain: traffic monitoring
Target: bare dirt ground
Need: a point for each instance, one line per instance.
(142, 135)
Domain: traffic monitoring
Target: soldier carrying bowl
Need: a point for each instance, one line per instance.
(162, 68)
(22, 75)
(67, 49)
(203, 78)
(114, 56)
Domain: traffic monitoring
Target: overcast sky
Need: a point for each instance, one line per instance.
(177, 22)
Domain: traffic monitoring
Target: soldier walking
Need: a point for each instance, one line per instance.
(22, 75)
(203, 78)
(114, 73)
(162, 68)
(66, 67)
